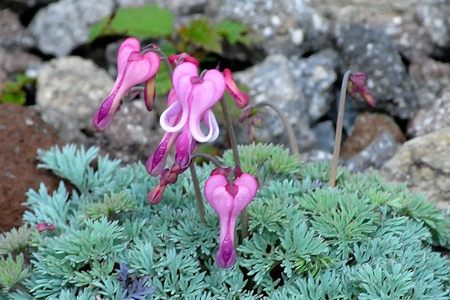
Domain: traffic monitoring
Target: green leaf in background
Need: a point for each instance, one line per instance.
(234, 32)
(163, 82)
(14, 91)
(148, 21)
(203, 34)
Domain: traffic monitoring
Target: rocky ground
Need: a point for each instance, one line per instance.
(304, 48)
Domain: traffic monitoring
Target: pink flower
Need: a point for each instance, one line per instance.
(133, 68)
(358, 84)
(41, 227)
(229, 198)
(240, 98)
(189, 107)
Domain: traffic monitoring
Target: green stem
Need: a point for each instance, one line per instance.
(198, 193)
(339, 125)
(237, 161)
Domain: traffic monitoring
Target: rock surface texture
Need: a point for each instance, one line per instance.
(372, 141)
(424, 164)
(300, 88)
(287, 27)
(370, 51)
(74, 87)
(22, 132)
(64, 25)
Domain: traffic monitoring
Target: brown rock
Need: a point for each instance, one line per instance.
(367, 128)
(424, 164)
(22, 132)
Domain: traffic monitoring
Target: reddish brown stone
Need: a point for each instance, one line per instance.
(367, 128)
(22, 132)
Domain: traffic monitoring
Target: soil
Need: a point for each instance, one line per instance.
(22, 132)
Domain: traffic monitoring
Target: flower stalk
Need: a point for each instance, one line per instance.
(237, 161)
(198, 193)
(293, 143)
(339, 126)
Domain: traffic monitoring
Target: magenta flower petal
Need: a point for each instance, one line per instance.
(239, 97)
(228, 200)
(182, 87)
(156, 163)
(204, 96)
(185, 146)
(226, 255)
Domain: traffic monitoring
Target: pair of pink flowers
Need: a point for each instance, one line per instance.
(189, 105)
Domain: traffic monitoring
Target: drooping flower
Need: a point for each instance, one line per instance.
(229, 199)
(189, 108)
(239, 97)
(133, 68)
(358, 84)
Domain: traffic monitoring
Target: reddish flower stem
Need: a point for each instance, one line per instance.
(237, 161)
(339, 125)
(293, 143)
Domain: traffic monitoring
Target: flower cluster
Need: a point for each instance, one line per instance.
(188, 120)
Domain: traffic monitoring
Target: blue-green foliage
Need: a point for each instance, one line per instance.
(364, 239)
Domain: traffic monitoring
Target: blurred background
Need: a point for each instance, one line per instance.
(58, 62)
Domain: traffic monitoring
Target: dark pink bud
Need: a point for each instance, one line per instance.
(150, 93)
(358, 84)
(156, 195)
(239, 97)
(41, 227)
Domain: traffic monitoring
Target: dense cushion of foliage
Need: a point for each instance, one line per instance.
(364, 239)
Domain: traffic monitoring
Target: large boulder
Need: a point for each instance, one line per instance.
(424, 164)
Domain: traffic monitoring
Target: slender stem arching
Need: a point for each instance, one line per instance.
(237, 161)
(211, 158)
(198, 193)
(339, 125)
(293, 143)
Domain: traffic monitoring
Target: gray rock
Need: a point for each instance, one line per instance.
(424, 164)
(434, 15)
(64, 25)
(315, 156)
(73, 86)
(369, 50)
(381, 149)
(325, 133)
(12, 33)
(298, 87)
(287, 27)
(364, 11)
(16, 60)
(433, 118)
(409, 36)
(432, 78)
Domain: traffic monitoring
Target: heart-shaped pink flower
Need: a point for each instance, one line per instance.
(133, 68)
(229, 199)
